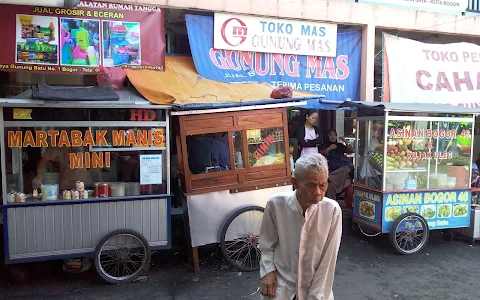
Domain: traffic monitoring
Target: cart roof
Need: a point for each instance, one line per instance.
(412, 107)
(128, 98)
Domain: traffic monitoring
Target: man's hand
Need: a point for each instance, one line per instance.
(268, 286)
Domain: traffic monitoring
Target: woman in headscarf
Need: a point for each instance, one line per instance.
(335, 152)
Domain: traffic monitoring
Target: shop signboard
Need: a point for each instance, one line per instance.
(268, 35)
(338, 78)
(442, 209)
(80, 40)
(431, 73)
(454, 6)
(367, 205)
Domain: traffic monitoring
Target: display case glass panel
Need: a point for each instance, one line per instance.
(370, 154)
(266, 147)
(208, 153)
(422, 154)
(52, 163)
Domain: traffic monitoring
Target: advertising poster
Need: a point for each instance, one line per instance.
(261, 34)
(367, 205)
(80, 40)
(336, 77)
(36, 40)
(441, 209)
(151, 169)
(430, 73)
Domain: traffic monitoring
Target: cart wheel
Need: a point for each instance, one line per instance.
(239, 239)
(409, 233)
(121, 256)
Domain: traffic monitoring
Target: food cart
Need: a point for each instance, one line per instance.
(105, 184)
(224, 197)
(413, 170)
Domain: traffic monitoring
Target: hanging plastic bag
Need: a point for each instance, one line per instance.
(281, 92)
(111, 76)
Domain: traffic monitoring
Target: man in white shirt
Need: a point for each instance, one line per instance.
(300, 237)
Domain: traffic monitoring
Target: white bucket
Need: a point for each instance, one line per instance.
(49, 192)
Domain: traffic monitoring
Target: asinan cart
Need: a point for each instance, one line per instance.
(118, 228)
(413, 170)
(224, 198)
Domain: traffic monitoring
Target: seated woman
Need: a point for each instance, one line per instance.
(340, 167)
(335, 152)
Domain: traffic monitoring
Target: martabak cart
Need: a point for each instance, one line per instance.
(413, 170)
(124, 210)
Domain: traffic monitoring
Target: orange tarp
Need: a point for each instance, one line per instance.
(181, 84)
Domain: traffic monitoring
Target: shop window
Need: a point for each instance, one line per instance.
(266, 147)
(208, 153)
(52, 163)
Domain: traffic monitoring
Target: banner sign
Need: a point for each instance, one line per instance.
(367, 205)
(441, 209)
(338, 78)
(79, 40)
(428, 5)
(433, 73)
(259, 34)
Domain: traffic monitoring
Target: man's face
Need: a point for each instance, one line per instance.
(312, 188)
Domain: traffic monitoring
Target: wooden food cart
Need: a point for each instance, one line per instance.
(225, 197)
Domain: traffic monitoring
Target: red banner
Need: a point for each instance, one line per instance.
(79, 40)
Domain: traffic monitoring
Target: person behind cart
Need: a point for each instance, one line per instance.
(58, 159)
(475, 182)
(309, 136)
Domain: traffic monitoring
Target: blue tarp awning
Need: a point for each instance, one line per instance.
(324, 105)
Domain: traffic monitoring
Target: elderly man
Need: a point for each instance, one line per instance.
(300, 237)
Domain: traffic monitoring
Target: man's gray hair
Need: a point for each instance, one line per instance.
(315, 163)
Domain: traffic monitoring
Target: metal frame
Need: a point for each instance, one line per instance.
(88, 105)
(239, 108)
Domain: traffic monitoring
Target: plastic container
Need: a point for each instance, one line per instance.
(51, 178)
(118, 189)
(132, 189)
(120, 59)
(49, 192)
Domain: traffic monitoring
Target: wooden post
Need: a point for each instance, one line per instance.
(196, 262)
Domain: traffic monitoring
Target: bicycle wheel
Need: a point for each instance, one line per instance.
(409, 233)
(121, 256)
(239, 239)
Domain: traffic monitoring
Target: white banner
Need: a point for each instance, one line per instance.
(257, 34)
(430, 5)
(432, 73)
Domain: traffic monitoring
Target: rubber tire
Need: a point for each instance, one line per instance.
(224, 232)
(108, 236)
(394, 229)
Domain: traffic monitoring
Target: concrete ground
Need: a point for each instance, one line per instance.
(366, 269)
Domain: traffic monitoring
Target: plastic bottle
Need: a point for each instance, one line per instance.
(92, 58)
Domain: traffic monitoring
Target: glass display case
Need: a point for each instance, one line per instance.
(236, 151)
(414, 153)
